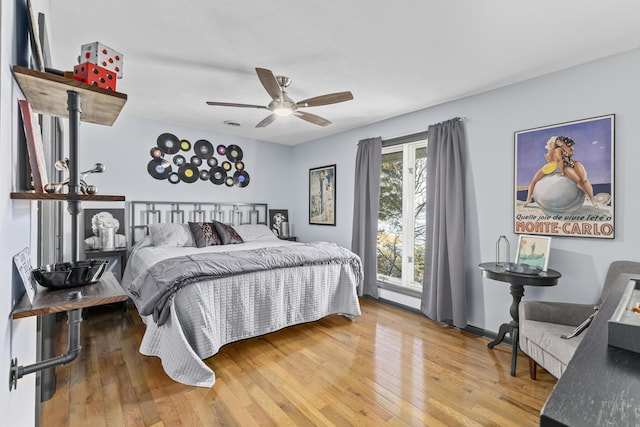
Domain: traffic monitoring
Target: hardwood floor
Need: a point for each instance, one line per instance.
(388, 367)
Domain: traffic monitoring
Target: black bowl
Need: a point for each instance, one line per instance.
(70, 274)
(531, 270)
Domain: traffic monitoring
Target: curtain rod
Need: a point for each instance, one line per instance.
(413, 137)
(404, 139)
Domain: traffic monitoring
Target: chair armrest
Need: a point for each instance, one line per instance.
(555, 312)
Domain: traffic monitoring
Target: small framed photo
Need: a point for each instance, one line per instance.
(23, 263)
(533, 250)
(322, 195)
(276, 218)
(104, 229)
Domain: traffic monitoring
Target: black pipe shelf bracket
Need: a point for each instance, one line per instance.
(106, 290)
(19, 371)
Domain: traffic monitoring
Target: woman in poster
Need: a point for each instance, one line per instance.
(574, 169)
(559, 156)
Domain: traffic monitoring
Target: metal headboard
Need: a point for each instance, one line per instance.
(143, 213)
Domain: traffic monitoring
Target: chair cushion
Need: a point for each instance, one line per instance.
(542, 342)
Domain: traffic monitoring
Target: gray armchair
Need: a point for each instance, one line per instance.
(542, 324)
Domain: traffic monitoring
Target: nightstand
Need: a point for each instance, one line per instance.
(289, 238)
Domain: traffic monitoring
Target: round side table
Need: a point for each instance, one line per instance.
(517, 281)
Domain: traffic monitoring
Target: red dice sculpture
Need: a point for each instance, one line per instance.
(94, 75)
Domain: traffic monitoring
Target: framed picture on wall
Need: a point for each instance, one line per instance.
(322, 195)
(564, 179)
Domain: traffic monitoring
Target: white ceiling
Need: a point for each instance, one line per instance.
(396, 57)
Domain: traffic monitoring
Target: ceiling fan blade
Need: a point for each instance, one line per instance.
(270, 83)
(312, 118)
(267, 121)
(232, 104)
(331, 98)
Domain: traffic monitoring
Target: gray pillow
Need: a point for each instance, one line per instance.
(205, 234)
(227, 233)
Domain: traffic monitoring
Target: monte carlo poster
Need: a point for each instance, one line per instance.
(564, 179)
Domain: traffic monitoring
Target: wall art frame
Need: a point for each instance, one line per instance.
(276, 218)
(564, 179)
(533, 250)
(34, 36)
(322, 195)
(92, 240)
(35, 147)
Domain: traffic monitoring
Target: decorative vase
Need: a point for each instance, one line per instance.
(107, 238)
(502, 251)
(284, 229)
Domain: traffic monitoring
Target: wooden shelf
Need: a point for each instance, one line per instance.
(46, 301)
(47, 94)
(67, 197)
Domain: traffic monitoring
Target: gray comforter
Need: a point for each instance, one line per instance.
(154, 289)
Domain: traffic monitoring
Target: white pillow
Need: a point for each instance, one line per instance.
(250, 232)
(171, 235)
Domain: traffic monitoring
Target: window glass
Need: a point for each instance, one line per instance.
(402, 218)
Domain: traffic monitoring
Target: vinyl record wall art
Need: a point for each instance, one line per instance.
(177, 160)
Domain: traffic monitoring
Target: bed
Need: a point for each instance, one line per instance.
(193, 300)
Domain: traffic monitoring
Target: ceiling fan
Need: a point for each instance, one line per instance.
(282, 105)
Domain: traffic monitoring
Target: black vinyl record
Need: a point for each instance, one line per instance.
(212, 162)
(174, 178)
(239, 166)
(169, 143)
(204, 175)
(241, 178)
(195, 160)
(203, 149)
(226, 165)
(156, 153)
(229, 181)
(234, 153)
(179, 160)
(217, 175)
(188, 173)
(185, 145)
(159, 168)
(221, 149)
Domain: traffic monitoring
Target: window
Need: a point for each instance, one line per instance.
(402, 215)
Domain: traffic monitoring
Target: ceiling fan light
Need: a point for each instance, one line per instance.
(282, 111)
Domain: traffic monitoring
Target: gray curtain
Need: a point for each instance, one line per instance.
(444, 295)
(365, 211)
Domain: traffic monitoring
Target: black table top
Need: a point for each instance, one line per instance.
(601, 386)
(495, 271)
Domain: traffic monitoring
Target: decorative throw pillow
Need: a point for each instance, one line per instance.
(227, 233)
(204, 234)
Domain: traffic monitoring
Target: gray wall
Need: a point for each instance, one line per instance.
(603, 87)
